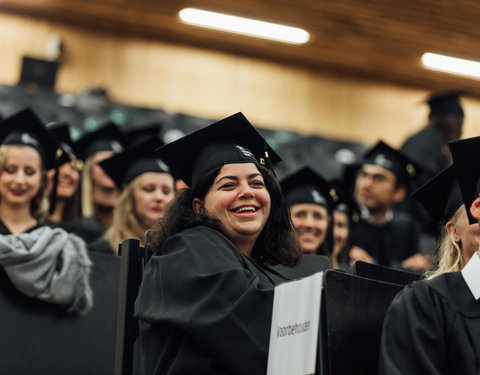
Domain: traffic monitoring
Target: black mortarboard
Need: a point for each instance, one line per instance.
(395, 161)
(141, 133)
(440, 195)
(25, 128)
(445, 103)
(231, 140)
(344, 202)
(61, 131)
(107, 138)
(466, 158)
(135, 160)
(307, 186)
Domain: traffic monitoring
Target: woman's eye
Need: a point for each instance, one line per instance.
(10, 169)
(167, 191)
(30, 171)
(258, 183)
(227, 185)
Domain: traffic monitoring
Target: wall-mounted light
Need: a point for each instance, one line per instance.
(451, 64)
(244, 26)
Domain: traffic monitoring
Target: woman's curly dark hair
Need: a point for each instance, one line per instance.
(275, 245)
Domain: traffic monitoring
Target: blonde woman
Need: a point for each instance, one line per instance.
(147, 188)
(99, 192)
(27, 151)
(459, 239)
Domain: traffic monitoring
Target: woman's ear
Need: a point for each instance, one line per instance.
(451, 230)
(475, 208)
(198, 207)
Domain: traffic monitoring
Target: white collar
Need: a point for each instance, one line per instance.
(471, 275)
(365, 214)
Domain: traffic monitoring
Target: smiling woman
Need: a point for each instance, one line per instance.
(147, 187)
(309, 197)
(27, 151)
(206, 298)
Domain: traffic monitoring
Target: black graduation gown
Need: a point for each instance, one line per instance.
(100, 245)
(5, 231)
(388, 244)
(205, 308)
(432, 327)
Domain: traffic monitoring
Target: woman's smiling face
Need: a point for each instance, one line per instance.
(239, 199)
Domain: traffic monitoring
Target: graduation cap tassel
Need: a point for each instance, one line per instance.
(53, 195)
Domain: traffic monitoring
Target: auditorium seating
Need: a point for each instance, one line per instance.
(352, 313)
(387, 274)
(309, 265)
(133, 258)
(41, 338)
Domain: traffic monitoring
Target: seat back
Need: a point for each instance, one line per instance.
(309, 265)
(38, 337)
(353, 310)
(383, 273)
(133, 258)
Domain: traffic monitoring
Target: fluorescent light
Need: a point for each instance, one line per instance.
(244, 26)
(451, 64)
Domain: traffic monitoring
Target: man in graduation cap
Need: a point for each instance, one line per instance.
(383, 236)
(429, 147)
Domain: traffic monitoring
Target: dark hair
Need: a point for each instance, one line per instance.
(343, 257)
(275, 245)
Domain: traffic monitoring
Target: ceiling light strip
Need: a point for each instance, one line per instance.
(244, 26)
(451, 64)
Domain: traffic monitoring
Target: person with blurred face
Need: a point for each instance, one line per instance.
(308, 196)
(99, 193)
(385, 236)
(146, 188)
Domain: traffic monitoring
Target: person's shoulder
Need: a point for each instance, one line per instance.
(100, 245)
(401, 218)
(200, 233)
(199, 241)
(440, 289)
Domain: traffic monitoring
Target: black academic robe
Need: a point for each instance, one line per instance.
(100, 245)
(204, 307)
(5, 231)
(428, 148)
(388, 244)
(432, 328)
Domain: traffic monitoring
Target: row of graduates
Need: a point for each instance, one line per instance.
(218, 239)
(111, 186)
(108, 189)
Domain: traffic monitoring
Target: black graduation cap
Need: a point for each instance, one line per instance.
(231, 140)
(466, 158)
(25, 128)
(440, 195)
(135, 160)
(344, 202)
(61, 131)
(395, 161)
(141, 133)
(107, 138)
(307, 186)
(446, 103)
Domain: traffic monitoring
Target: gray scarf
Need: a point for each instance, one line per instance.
(51, 265)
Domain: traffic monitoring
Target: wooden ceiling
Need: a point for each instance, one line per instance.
(380, 40)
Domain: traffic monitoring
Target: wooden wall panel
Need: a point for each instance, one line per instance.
(213, 85)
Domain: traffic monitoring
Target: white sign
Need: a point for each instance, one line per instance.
(294, 331)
